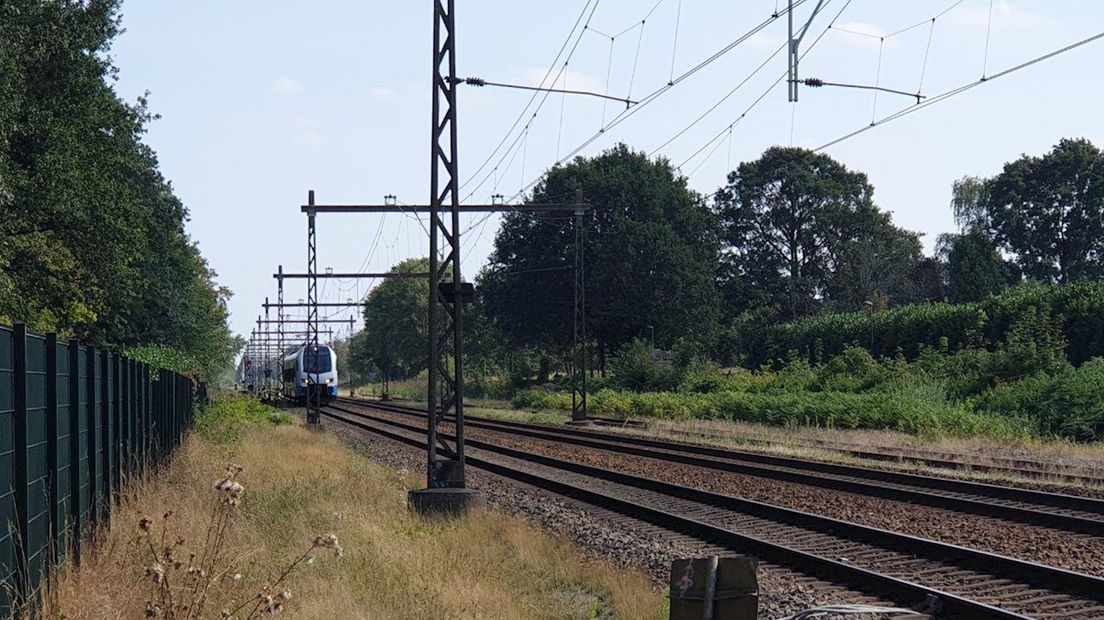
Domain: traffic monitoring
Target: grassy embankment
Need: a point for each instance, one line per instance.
(301, 484)
(1023, 365)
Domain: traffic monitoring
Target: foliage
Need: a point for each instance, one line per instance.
(1022, 388)
(975, 269)
(800, 228)
(161, 356)
(228, 415)
(651, 256)
(909, 330)
(396, 323)
(94, 241)
(1069, 403)
(633, 369)
(1049, 212)
(874, 410)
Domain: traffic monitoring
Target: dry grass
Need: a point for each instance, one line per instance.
(800, 442)
(396, 565)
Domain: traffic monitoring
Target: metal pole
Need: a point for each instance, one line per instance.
(313, 395)
(268, 357)
(792, 46)
(578, 356)
(280, 326)
(445, 476)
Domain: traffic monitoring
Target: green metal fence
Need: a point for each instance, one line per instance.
(75, 423)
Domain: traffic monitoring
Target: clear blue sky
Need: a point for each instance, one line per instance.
(262, 100)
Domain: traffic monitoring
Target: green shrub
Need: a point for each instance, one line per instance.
(1069, 404)
(899, 410)
(1077, 308)
(854, 370)
(228, 415)
(1074, 405)
(541, 399)
(633, 369)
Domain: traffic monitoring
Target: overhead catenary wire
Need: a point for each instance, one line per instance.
(831, 26)
(609, 70)
(674, 45)
(877, 79)
(767, 90)
(988, 30)
(927, 51)
(544, 99)
(593, 6)
(658, 92)
(961, 89)
(718, 103)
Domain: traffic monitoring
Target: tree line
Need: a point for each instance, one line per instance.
(791, 235)
(94, 241)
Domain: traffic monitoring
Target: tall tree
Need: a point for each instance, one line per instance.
(1049, 212)
(395, 323)
(651, 256)
(94, 240)
(975, 268)
(803, 229)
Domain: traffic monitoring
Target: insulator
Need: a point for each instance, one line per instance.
(814, 82)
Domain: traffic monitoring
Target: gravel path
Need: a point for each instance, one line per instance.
(600, 533)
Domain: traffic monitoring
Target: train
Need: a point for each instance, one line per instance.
(300, 378)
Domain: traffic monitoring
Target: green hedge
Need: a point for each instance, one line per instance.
(819, 409)
(908, 330)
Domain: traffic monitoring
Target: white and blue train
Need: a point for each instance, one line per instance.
(305, 373)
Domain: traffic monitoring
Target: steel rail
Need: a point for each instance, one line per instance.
(844, 573)
(1027, 496)
(1024, 468)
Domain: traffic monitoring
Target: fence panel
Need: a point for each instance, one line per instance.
(86, 441)
(60, 469)
(75, 423)
(7, 463)
(37, 524)
(96, 432)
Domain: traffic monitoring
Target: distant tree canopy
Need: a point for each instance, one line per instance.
(802, 233)
(1048, 212)
(651, 257)
(395, 324)
(94, 245)
(396, 330)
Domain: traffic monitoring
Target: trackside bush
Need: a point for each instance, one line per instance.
(541, 399)
(875, 410)
(228, 415)
(909, 330)
(1068, 404)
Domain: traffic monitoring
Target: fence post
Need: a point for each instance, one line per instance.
(117, 384)
(74, 450)
(105, 430)
(144, 419)
(19, 460)
(56, 519)
(158, 407)
(90, 418)
(124, 419)
(178, 411)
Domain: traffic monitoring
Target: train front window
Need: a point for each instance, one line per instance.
(323, 361)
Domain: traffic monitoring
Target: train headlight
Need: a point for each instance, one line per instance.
(304, 381)
(330, 380)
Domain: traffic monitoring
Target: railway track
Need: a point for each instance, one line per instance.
(968, 583)
(1024, 468)
(1065, 512)
(1017, 468)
